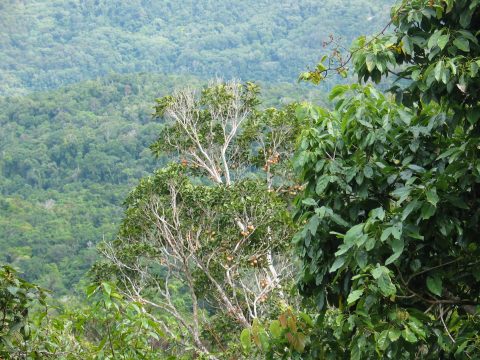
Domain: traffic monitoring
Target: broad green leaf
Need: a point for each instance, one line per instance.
(13, 290)
(384, 282)
(409, 209)
(337, 264)
(394, 334)
(361, 257)
(397, 247)
(407, 45)
(354, 296)
(378, 213)
(434, 284)
(439, 69)
(397, 230)
(417, 328)
(433, 41)
(409, 336)
(401, 193)
(428, 210)
(385, 234)
(107, 287)
(309, 202)
(382, 340)
(443, 41)
(370, 62)
(275, 329)
(432, 196)
(462, 44)
(368, 171)
(353, 234)
(312, 225)
(322, 184)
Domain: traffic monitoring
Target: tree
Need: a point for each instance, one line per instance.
(211, 228)
(391, 210)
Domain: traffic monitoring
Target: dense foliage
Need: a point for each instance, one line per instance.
(214, 221)
(391, 210)
(45, 44)
(69, 158)
(216, 256)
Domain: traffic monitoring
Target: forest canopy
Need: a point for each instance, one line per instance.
(272, 225)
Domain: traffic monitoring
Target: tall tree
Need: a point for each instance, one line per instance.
(213, 226)
(390, 246)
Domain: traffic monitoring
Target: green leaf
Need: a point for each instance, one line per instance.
(407, 45)
(368, 171)
(401, 193)
(107, 287)
(408, 335)
(354, 296)
(397, 230)
(361, 257)
(338, 219)
(13, 290)
(309, 202)
(397, 247)
(382, 340)
(417, 327)
(337, 264)
(409, 209)
(473, 115)
(439, 70)
(433, 41)
(386, 234)
(432, 196)
(322, 184)
(378, 213)
(434, 284)
(428, 210)
(370, 62)
(246, 339)
(353, 234)
(443, 41)
(384, 282)
(275, 329)
(312, 225)
(394, 334)
(462, 44)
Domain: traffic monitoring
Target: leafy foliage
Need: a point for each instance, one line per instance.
(390, 205)
(214, 220)
(16, 299)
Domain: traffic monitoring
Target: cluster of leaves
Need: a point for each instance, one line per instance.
(16, 300)
(120, 329)
(283, 338)
(435, 49)
(390, 206)
(108, 327)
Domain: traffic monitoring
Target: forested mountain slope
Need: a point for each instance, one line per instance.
(67, 160)
(48, 43)
(70, 151)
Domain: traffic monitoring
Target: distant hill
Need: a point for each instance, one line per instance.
(45, 44)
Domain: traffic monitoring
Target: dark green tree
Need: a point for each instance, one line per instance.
(390, 243)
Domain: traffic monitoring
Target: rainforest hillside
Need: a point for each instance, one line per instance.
(69, 158)
(45, 44)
